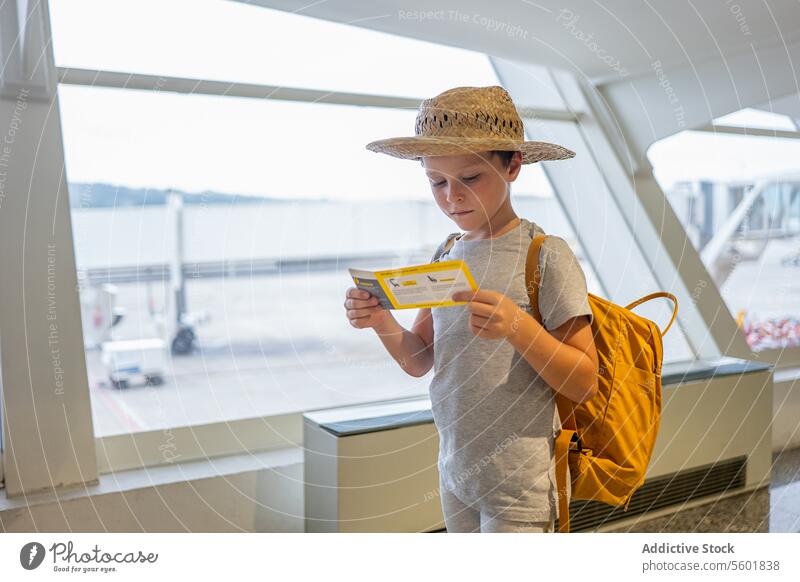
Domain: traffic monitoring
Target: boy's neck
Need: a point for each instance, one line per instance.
(499, 224)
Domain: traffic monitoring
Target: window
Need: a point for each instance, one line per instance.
(256, 193)
(222, 40)
(759, 118)
(268, 340)
(739, 198)
(264, 203)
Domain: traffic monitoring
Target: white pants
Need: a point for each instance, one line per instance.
(462, 518)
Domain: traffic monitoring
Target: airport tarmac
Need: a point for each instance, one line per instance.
(270, 345)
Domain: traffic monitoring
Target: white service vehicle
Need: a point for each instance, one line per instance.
(126, 360)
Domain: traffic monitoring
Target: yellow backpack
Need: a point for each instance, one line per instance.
(607, 441)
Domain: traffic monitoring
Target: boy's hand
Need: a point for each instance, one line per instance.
(492, 314)
(363, 309)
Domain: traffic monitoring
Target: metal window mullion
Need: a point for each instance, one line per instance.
(136, 81)
(675, 263)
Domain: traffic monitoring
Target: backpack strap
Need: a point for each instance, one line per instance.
(563, 441)
(669, 296)
(569, 432)
(533, 274)
(445, 247)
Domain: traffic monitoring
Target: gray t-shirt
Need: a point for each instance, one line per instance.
(496, 417)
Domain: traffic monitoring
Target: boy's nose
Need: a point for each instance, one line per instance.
(455, 193)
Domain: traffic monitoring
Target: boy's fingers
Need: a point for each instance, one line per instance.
(356, 293)
(359, 313)
(360, 303)
(462, 295)
(480, 295)
(481, 309)
(479, 318)
(485, 296)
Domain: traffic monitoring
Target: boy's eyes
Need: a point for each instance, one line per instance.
(467, 179)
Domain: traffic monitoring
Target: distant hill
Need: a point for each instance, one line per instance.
(91, 195)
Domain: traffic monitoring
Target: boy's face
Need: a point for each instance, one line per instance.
(470, 188)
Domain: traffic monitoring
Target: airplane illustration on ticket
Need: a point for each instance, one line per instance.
(428, 285)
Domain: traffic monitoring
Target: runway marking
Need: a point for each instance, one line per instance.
(125, 413)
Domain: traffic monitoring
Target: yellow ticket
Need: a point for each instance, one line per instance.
(428, 285)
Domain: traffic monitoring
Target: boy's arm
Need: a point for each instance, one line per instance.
(565, 357)
(423, 327)
(413, 350)
(563, 303)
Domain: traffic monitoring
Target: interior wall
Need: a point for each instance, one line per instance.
(264, 500)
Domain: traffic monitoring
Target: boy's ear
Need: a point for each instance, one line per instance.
(514, 166)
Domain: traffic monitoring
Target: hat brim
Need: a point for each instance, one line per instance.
(413, 148)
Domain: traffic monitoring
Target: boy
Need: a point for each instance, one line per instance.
(495, 366)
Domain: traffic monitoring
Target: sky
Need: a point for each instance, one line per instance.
(276, 148)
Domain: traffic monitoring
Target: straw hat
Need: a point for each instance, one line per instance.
(469, 119)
